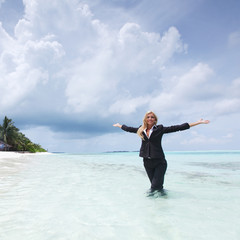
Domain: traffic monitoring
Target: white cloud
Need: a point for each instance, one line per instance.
(23, 66)
(234, 89)
(192, 84)
(1, 1)
(230, 103)
(145, 50)
(88, 85)
(182, 91)
(6, 41)
(43, 52)
(63, 60)
(23, 31)
(198, 139)
(128, 106)
(234, 39)
(115, 70)
(227, 106)
(99, 66)
(14, 90)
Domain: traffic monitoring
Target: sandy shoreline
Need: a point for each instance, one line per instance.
(10, 155)
(14, 155)
(12, 163)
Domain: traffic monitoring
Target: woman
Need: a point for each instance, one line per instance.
(151, 149)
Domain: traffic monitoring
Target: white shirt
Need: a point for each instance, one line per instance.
(150, 132)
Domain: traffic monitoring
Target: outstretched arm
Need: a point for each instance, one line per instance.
(117, 125)
(126, 128)
(201, 121)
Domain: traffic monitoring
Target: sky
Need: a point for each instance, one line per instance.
(71, 69)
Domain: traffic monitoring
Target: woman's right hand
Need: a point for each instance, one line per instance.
(117, 125)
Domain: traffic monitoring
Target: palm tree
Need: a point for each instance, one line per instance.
(8, 132)
(18, 141)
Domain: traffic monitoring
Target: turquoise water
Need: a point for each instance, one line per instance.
(103, 196)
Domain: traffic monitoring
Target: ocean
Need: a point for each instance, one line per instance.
(103, 197)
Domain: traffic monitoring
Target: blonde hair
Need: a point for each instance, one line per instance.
(144, 126)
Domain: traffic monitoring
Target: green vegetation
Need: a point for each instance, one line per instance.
(18, 141)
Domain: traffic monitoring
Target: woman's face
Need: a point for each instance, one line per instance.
(150, 119)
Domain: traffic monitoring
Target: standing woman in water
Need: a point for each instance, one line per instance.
(151, 149)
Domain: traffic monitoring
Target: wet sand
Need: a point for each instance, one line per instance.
(12, 162)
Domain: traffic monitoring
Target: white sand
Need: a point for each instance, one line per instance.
(14, 155)
(13, 162)
(9, 155)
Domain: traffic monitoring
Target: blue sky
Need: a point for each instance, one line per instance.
(70, 69)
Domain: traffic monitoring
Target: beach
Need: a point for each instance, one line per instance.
(12, 163)
(6, 155)
(103, 196)
(16, 155)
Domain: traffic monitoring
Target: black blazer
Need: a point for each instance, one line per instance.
(152, 147)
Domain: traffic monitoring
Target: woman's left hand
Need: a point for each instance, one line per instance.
(202, 121)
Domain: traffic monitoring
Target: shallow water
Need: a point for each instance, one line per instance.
(103, 196)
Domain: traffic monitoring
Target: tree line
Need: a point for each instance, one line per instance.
(11, 135)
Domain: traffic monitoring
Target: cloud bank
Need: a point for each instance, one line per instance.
(64, 70)
(62, 43)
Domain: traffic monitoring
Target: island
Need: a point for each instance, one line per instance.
(11, 139)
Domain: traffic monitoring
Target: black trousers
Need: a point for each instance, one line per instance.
(156, 169)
